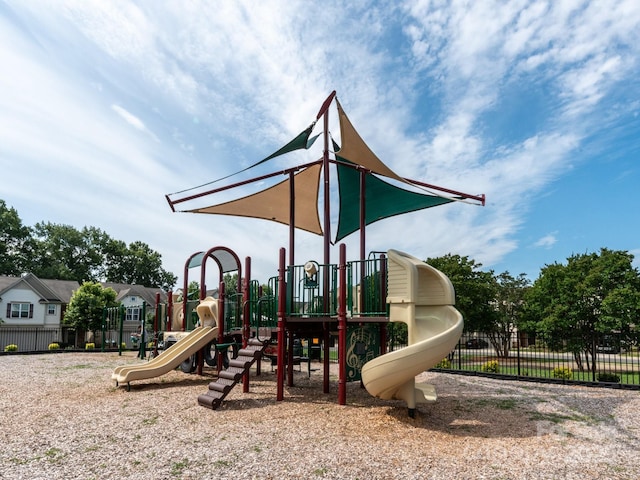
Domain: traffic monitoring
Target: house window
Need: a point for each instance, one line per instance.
(133, 314)
(51, 309)
(20, 310)
(133, 299)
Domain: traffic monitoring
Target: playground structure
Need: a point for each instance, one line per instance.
(423, 298)
(189, 345)
(344, 301)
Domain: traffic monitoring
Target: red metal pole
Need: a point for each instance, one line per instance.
(342, 326)
(185, 288)
(246, 312)
(326, 104)
(363, 235)
(327, 241)
(221, 297)
(155, 326)
(292, 217)
(479, 198)
(383, 303)
(282, 298)
(169, 310)
(238, 184)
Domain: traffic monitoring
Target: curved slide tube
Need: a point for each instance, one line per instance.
(177, 353)
(422, 297)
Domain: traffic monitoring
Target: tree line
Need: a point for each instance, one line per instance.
(62, 252)
(571, 305)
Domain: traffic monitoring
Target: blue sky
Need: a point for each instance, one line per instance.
(106, 106)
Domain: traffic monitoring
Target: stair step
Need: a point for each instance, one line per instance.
(241, 362)
(228, 378)
(220, 387)
(230, 382)
(249, 352)
(231, 373)
(225, 381)
(210, 399)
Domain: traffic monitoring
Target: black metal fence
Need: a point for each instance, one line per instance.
(38, 339)
(607, 362)
(33, 339)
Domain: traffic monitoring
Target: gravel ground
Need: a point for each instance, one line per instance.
(62, 417)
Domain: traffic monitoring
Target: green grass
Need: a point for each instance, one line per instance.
(544, 369)
(178, 467)
(150, 421)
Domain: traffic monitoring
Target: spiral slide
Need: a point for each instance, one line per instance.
(423, 298)
(177, 353)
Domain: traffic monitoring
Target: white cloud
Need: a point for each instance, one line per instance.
(547, 241)
(132, 120)
(216, 87)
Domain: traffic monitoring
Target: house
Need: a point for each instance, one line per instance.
(133, 297)
(30, 301)
(32, 309)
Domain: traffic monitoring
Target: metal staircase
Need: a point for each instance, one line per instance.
(228, 378)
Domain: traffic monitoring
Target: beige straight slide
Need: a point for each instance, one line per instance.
(171, 358)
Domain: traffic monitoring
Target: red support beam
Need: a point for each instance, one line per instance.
(246, 313)
(342, 326)
(282, 298)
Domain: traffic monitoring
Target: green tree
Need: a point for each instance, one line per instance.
(475, 290)
(230, 284)
(84, 312)
(193, 290)
(508, 303)
(572, 305)
(136, 263)
(267, 290)
(14, 240)
(64, 253)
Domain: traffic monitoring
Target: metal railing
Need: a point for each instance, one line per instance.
(614, 364)
(312, 295)
(32, 339)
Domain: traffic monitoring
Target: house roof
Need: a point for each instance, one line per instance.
(51, 291)
(148, 294)
(61, 291)
(62, 288)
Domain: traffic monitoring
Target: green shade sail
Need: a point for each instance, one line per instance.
(303, 140)
(382, 200)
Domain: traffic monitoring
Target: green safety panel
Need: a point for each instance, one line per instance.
(382, 200)
(363, 344)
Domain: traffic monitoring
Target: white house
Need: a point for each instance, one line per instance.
(32, 309)
(30, 301)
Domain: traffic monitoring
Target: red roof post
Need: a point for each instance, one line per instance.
(282, 298)
(342, 326)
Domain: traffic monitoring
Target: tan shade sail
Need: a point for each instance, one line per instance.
(274, 202)
(355, 150)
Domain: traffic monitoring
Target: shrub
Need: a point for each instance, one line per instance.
(11, 348)
(444, 363)
(491, 366)
(90, 346)
(608, 377)
(54, 346)
(564, 373)
(123, 346)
